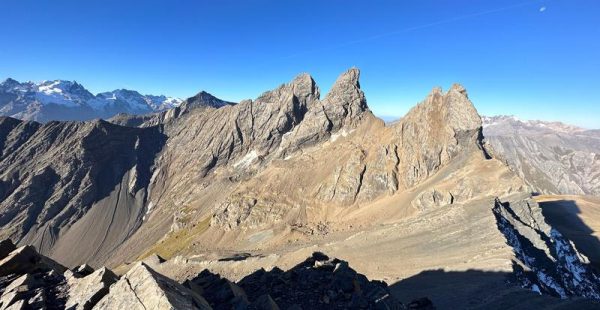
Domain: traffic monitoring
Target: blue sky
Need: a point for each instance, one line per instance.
(534, 59)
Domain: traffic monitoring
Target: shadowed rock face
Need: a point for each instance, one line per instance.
(74, 187)
(552, 158)
(554, 266)
(316, 283)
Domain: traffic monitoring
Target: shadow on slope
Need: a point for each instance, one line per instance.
(476, 289)
(121, 161)
(75, 187)
(563, 215)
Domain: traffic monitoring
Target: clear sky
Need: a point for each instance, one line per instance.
(534, 59)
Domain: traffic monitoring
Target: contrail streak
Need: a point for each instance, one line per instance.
(409, 29)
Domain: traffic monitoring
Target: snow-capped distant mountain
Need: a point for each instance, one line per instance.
(67, 100)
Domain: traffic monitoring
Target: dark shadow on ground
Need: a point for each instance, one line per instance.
(475, 289)
(563, 215)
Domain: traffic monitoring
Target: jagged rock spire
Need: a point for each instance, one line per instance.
(345, 102)
(343, 106)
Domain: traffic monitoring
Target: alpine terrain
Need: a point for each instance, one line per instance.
(293, 200)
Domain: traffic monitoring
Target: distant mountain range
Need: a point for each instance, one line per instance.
(552, 157)
(69, 100)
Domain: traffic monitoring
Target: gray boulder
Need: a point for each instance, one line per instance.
(144, 288)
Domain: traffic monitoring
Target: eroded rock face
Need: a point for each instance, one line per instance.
(343, 107)
(251, 212)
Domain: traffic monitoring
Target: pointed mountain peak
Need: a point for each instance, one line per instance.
(452, 110)
(303, 78)
(459, 89)
(345, 103)
(204, 99)
(304, 86)
(9, 81)
(436, 91)
(348, 79)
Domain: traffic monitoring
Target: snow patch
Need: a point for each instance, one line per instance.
(246, 160)
(341, 133)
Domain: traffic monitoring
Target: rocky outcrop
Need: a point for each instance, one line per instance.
(319, 283)
(86, 289)
(433, 198)
(551, 157)
(31, 281)
(343, 107)
(546, 262)
(143, 288)
(431, 135)
(372, 161)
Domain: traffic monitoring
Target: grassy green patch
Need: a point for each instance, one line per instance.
(175, 242)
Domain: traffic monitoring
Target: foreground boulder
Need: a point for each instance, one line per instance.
(30, 281)
(144, 288)
(85, 292)
(26, 259)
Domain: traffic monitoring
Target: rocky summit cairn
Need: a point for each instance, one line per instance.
(32, 281)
